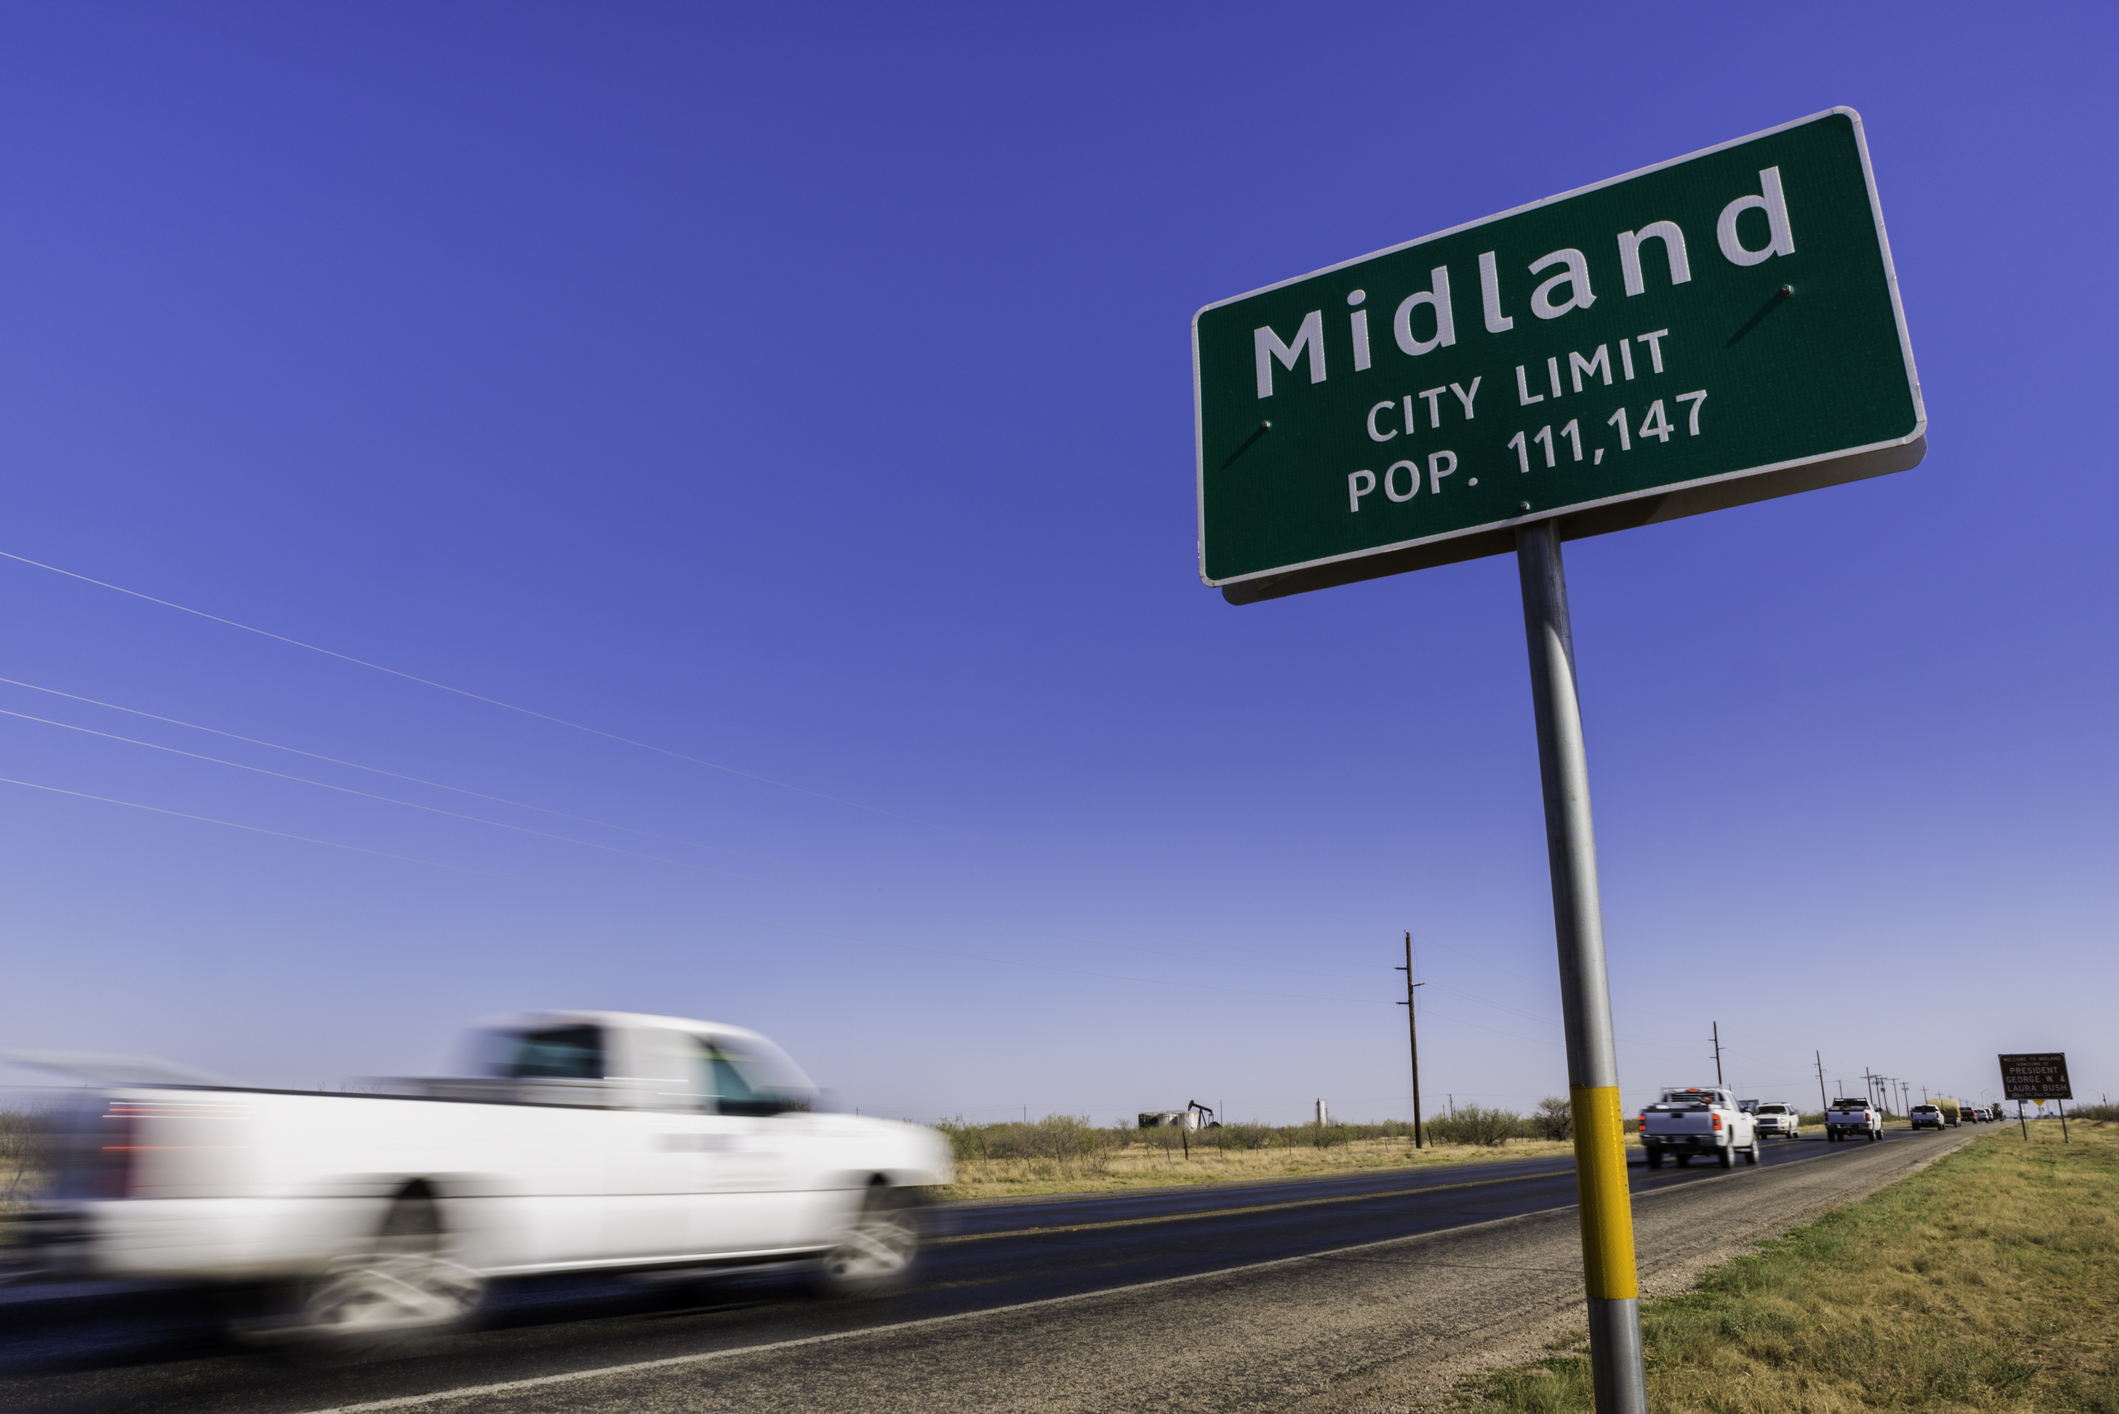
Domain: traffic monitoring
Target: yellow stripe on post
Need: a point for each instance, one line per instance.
(1600, 1179)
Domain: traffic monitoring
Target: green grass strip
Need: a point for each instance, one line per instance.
(1987, 1281)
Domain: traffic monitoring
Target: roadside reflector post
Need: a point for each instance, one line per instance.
(1578, 923)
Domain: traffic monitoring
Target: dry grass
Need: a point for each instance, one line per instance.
(1989, 1281)
(1149, 1164)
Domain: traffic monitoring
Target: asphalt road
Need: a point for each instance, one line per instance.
(1229, 1296)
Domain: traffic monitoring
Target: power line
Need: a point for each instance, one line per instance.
(652, 858)
(580, 727)
(557, 721)
(610, 825)
(653, 903)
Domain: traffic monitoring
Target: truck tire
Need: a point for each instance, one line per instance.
(400, 1286)
(1655, 1158)
(876, 1253)
(1726, 1156)
(1751, 1154)
(1683, 1158)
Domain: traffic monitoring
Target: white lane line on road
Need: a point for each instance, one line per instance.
(1254, 1208)
(410, 1401)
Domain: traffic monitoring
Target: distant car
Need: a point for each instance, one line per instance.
(1927, 1117)
(1853, 1119)
(1778, 1120)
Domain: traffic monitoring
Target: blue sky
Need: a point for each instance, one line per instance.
(807, 394)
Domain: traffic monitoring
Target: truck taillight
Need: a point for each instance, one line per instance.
(1717, 1121)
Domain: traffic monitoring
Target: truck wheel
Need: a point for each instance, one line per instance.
(1726, 1156)
(876, 1253)
(401, 1284)
(1751, 1154)
(1683, 1158)
(1655, 1158)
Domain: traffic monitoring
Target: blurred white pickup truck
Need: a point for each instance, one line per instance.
(1698, 1121)
(589, 1141)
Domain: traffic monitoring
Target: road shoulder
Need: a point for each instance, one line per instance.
(1680, 1234)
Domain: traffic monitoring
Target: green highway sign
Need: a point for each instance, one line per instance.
(1703, 333)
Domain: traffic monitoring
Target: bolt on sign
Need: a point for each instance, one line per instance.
(1710, 331)
(2036, 1076)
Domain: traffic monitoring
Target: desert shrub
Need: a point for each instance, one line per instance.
(1554, 1118)
(23, 1160)
(1472, 1124)
(1067, 1140)
(1246, 1134)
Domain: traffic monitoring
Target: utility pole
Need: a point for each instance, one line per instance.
(1412, 1031)
(1717, 1051)
(1822, 1102)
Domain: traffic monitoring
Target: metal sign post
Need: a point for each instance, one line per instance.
(1699, 334)
(1585, 997)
